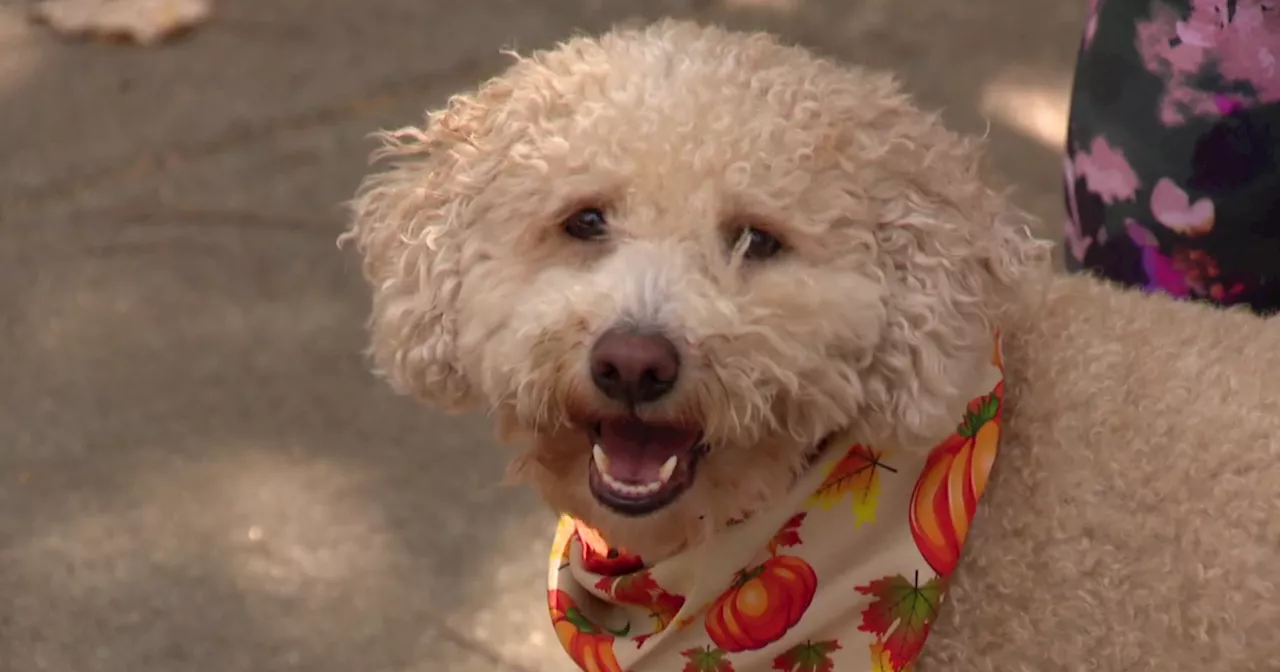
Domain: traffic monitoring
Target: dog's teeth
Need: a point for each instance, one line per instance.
(668, 468)
(627, 489)
(601, 460)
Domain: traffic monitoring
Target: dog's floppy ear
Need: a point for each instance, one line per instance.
(955, 257)
(411, 224)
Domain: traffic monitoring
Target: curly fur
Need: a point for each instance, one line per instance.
(899, 266)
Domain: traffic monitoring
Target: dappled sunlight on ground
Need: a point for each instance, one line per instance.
(269, 523)
(284, 550)
(289, 520)
(1032, 103)
(775, 5)
(21, 51)
(508, 607)
(91, 310)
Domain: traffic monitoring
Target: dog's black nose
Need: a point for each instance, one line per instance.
(634, 367)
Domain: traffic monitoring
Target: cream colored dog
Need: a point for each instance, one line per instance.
(704, 252)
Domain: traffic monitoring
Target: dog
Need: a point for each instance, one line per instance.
(692, 272)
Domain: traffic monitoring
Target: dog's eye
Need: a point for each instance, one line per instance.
(586, 224)
(757, 244)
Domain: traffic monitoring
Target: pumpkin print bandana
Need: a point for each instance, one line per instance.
(846, 575)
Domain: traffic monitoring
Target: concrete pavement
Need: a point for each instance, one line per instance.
(197, 474)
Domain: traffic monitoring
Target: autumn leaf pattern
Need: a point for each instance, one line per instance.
(807, 657)
(598, 557)
(788, 536)
(706, 659)
(686, 621)
(901, 615)
(663, 610)
(856, 474)
(880, 659)
(639, 589)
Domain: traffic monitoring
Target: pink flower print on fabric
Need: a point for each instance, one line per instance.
(1106, 172)
(1173, 208)
(1249, 48)
(1188, 272)
(1174, 50)
(1162, 275)
(1243, 46)
(1091, 22)
(1227, 104)
(1205, 26)
(1077, 242)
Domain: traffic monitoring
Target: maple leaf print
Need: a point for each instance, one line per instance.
(901, 615)
(857, 474)
(788, 536)
(637, 588)
(686, 621)
(598, 557)
(880, 659)
(706, 659)
(807, 657)
(663, 609)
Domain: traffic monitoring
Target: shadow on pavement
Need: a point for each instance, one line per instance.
(197, 472)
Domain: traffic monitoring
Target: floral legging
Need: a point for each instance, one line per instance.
(1173, 151)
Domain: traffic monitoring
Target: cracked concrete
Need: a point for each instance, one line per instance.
(197, 474)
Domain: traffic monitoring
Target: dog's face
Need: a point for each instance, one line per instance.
(673, 260)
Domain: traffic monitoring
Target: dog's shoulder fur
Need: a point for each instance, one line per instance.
(1133, 518)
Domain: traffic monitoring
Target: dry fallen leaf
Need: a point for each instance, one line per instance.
(146, 22)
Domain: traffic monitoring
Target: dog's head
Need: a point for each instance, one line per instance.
(674, 259)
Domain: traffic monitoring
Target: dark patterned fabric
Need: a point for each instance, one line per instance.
(1173, 152)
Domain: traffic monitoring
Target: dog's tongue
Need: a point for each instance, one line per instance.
(637, 450)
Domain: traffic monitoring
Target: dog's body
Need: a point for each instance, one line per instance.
(674, 260)
(1132, 521)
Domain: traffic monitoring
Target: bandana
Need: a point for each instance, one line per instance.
(847, 574)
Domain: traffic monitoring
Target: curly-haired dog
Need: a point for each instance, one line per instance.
(699, 273)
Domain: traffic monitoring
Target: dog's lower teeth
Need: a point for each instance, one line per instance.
(629, 490)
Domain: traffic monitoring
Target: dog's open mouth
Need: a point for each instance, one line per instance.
(639, 467)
